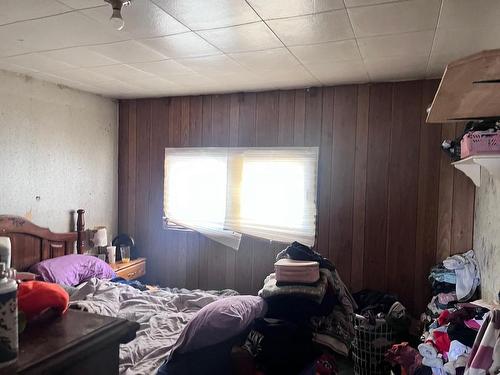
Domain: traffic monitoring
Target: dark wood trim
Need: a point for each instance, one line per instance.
(32, 243)
(80, 228)
(18, 224)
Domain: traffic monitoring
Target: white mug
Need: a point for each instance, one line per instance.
(111, 251)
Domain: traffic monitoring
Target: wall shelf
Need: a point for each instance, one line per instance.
(471, 166)
(469, 89)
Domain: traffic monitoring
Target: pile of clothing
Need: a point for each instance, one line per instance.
(449, 339)
(308, 307)
(374, 305)
(452, 326)
(381, 320)
(446, 346)
(455, 279)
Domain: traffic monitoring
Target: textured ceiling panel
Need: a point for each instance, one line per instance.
(185, 47)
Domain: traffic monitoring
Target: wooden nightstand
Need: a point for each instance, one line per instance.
(130, 270)
(76, 343)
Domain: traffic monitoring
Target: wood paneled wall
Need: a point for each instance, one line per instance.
(390, 205)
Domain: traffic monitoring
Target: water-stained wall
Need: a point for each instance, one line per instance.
(58, 152)
(487, 235)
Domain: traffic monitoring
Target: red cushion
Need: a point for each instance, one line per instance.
(34, 297)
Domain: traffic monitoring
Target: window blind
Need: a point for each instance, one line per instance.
(225, 192)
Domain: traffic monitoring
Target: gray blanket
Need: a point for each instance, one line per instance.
(313, 292)
(162, 314)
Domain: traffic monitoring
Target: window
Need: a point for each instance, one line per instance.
(224, 192)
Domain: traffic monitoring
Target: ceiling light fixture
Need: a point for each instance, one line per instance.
(116, 17)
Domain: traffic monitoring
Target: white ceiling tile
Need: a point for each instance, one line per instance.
(128, 52)
(293, 74)
(65, 30)
(437, 64)
(63, 81)
(191, 80)
(407, 44)
(249, 37)
(143, 19)
(213, 65)
(228, 84)
(465, 41)
(202, 14)
(85, 76)
(234, 79)
(271, 59)
(116, 85)
(79, 56)
(119, 89)
(165, 68)
(401, 68)
(316, 28)
(82, 4)
(327, 52)
(125, 73)
(291, 8)
(339, 72)
(16, 10)
(155, 84)
(392, 18)
(156, 55)
(4, 65)
(182, 45)
(121, 94)
(360, 3)
(82, 87)
(453, 44)
(457, 14)
(39, 62)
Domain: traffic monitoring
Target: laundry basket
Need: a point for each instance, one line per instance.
(371, 341)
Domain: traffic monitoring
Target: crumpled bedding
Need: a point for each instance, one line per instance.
(162, 314)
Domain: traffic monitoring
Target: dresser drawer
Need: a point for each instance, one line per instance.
(134, 271)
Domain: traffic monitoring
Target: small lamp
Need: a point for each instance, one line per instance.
(100, 239)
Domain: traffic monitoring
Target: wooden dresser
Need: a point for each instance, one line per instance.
(76, 343)
(130, 270)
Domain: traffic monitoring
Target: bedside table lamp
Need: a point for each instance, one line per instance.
(100, 239)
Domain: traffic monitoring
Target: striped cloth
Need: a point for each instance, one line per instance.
(485, 355)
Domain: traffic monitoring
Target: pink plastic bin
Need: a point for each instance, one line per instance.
(480, 143)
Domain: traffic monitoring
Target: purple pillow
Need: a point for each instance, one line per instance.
(219, 321)
(72, 269)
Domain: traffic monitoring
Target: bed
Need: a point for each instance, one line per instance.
(162, 313)
(32, 243)
(181, 331)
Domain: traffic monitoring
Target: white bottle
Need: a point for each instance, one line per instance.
(8, 318)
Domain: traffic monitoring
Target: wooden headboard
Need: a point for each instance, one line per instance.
(31, 243)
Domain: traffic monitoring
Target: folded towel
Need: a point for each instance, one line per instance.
(315, 293)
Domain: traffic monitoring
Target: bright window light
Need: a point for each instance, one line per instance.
(224, 192)
(197, 189)
(272, 193)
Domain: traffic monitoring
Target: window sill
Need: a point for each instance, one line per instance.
(175, 227)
